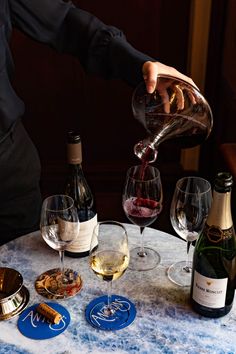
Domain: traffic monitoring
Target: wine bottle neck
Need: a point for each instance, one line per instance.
(74, 154)
(76, 170)
(220, 213)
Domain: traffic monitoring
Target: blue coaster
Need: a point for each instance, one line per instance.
(124, 313)
(35, 326)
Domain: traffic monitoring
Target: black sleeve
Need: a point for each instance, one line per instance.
(102, 50)
(42, 20)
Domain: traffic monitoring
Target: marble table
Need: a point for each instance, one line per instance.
(165, 322)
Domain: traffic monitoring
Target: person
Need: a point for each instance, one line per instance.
(101, 49)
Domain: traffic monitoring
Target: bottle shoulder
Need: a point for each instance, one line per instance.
(77, 187)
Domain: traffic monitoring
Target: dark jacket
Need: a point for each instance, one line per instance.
(101, 49)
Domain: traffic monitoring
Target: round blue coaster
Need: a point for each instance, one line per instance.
(124, 313)
(35, 326)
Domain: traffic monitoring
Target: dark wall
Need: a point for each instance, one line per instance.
(221, 82)
(60, 96)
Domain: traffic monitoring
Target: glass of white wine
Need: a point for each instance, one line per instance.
(109, 259)
(59, 227)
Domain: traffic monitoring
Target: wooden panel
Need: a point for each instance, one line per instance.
(197, 62)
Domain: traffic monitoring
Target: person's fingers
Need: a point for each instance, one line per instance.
(179, 97)
(165, 100)
(150, 85)
(150, 71)
(192, 98)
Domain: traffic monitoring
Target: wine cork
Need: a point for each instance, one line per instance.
(49, 313)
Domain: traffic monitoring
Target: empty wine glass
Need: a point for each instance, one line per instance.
(188, 212)
(109, 259)
(59, 227)
(142, 203)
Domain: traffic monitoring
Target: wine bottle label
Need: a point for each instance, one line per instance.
(215, 234)
(67, 229)
(83, 240)
(209, 292)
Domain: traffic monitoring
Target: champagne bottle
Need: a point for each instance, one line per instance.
(214, 267)
(78, 188)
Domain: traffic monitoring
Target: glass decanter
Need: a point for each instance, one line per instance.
(175, 110)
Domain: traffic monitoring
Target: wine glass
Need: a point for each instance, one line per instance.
(142, 202)
(109, 259)
(188, 212)
(59, 227)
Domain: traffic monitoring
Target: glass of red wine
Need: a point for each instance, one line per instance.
(142, 203)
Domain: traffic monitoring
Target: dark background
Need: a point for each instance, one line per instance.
(59, 96)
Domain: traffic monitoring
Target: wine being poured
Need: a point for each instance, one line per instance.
(142, 211)
(175, 110)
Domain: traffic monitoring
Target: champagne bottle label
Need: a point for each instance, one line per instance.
(215, 234)
(83, 240)
(209, 292)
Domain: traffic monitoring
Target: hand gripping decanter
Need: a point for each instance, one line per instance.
(175, 110)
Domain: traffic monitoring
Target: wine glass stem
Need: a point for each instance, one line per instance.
(61, 255)
(188, 266)
(109, 290)
(141, 253)
(108, 310)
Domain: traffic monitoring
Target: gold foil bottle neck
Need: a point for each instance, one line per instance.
(220, 213)
(74, 153)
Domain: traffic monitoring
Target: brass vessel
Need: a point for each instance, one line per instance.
(14, 296)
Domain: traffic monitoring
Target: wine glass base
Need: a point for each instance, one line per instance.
(178, 275)
(50, 285)
(146, 260)
(123, 313)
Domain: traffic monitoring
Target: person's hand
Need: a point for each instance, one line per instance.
(152, 69)
(150, 72)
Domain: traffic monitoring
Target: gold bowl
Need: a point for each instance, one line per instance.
(14, 297)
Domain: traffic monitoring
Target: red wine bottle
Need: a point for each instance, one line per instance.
(214, 273)
(78, 188)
